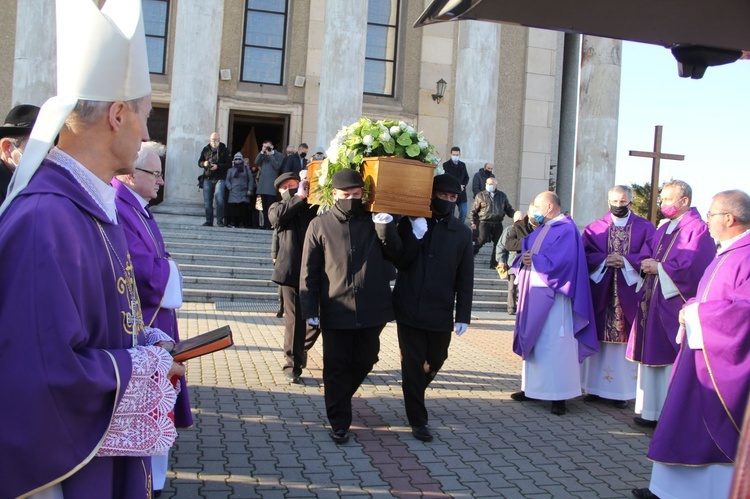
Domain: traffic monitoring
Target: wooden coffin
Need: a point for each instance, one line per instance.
(392, 185)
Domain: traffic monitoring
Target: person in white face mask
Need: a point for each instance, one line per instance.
(14, 134)
(457, 169)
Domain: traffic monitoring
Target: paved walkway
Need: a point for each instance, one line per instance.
(258, 436)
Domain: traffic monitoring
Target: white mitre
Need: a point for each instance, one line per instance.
(101, 56)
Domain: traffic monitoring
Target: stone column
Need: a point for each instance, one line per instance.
(35, 62)
(475, 105)
(194, 93)
(342, 77)
(566, 156)
(596, 146)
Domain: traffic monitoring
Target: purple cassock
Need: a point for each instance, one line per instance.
(684, 255)
(702, 415)
(614, 301)
(151, 267)
(67, 301)
(561, 263)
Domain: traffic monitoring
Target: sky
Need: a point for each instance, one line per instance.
(707, 120)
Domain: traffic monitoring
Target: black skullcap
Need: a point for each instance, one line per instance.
(347, 179)
(283, 177)
(446, 183)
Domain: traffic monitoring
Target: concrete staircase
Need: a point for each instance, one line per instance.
(232, 267)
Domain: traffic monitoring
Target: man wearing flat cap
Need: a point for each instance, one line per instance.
(344, 287)
(14, 134)
(290, 218)
(435, 273)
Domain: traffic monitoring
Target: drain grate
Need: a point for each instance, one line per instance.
(247, 306)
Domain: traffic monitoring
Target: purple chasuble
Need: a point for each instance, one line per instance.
(684, 254)
(561, 263)
(149, 256)
(702, 416)
(614, 301)
(65, 326)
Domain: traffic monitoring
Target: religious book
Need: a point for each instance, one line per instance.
(203, 344)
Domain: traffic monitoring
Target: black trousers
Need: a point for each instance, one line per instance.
(238, 214)
(512, 293)
(420, 347)
(299, 337)
(348, 357)
(489, 231)
(267, 200)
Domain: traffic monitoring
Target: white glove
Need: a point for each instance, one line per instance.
(313, 321)
(302, 189)
(382, 218)
(461, 328)
(418, 227)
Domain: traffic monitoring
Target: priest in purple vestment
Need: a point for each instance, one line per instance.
(85, 384)
(156, 275)
(695, 444)
(555, 328)
(613, 247)
(675, 258)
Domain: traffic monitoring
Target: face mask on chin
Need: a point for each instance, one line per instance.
(350, 207)
(442, 207)
(619, 211)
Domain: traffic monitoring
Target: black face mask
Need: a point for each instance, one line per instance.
(302, 154)
(619, 211)
(442, 207)
(289, 194)
(349, 207)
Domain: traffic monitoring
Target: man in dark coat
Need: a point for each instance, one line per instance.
(295, 162)
(487, 214)
(436, 272)
(457, 169)
(14, 134)
(344, 287)
(215, 162)
(290, 218)
(517, 232)
(480, 178)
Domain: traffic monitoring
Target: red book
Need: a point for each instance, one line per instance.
(203, 344)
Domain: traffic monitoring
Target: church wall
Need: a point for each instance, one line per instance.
(7, 51)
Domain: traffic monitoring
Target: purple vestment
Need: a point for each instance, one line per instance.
(684, 255)
(64, 336)
(561, 263)
(702, 415)
(614, 301)
(149, 256)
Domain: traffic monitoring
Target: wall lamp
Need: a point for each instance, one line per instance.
(441, 84)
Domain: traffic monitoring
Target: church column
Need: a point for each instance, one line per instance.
(598, 112)
(342, 77)
(194, 93)
(475, 104)
(35, 62)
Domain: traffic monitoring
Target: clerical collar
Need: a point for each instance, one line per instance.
(725, 245)
(556, 219)
(101, 192)
(142, 201)
(673, 223)
(620, 222)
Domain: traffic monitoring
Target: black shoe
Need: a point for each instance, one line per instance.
(421, 433)
(229, 226)
(294, 378)
(558, 407)
(220, 224)
(646, 423)
(340, 436)
(511, 312)
(620, 404)
(208, 224)
(520, 396)
(157, 493)
(592, 398)
(280, 313)
(644, 494)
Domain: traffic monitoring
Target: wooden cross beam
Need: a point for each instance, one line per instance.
(656, 157)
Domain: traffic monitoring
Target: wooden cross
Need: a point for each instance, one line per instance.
(656, 156)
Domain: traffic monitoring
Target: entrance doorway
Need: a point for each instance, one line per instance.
(157, 130)
(247, 131)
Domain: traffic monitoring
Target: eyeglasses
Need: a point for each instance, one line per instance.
(156, 175)
(709, 214)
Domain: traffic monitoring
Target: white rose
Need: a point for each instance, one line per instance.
(395, 130)
(402, 125)
(367, 140)
(410, 130)
(423, 144)
(332, 153)
(384, 137)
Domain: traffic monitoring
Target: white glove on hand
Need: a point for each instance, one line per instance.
(418, 227)
(302, 189)
(382, 218)
(313, 321)
(461, 328)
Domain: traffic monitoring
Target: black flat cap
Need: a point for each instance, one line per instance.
(283, 177)
(446, 183)
(19, 121)
(347, 179)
